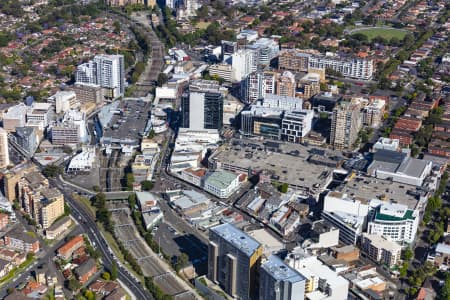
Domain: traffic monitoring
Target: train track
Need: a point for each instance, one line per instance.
(155, 63)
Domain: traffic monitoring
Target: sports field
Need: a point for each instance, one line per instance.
(386, 33)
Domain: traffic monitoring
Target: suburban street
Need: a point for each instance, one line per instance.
(45, 256)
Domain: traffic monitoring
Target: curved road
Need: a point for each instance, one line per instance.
(90, 227)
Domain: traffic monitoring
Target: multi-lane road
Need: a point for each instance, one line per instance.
(80, 212)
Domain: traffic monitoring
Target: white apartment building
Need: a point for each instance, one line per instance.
(86, 74)
(266, 50)
(393, 221)
(4, 149)
(107, 71)
(258, 84)
(380, 249)
(243, 63)
(356, 68)
(111, 73)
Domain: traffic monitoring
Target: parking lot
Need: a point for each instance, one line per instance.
(174, 243)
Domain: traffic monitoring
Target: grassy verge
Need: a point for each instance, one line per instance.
(86, 203)
(16, 271)
(115, 248)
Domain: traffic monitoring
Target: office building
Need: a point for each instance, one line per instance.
(106, 71)
(202, 106)
(286, 103)
(393, 221)
(88, 93)
(278, 281)
(345, 125)
(285, 85)
(257, 85)
(66, 100)
(221, 183)
(348, 214)
(262, 121)
(233, 261)
(380, 249)
(27, 138)
(296, 125)
(71, 130)
(265, 117)
(387, 144)
(357, 68)
(4, 149)
(65, 134)
(38, 116)
(243, 63)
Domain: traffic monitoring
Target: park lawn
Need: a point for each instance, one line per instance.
(386, 33)
(202, 25)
